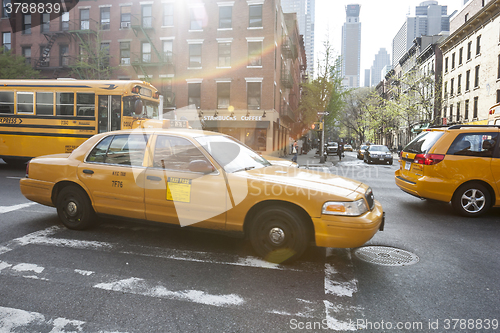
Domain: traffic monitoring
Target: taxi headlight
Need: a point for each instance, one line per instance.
(349, 208)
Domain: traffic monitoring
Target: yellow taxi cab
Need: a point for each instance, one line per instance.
(460, 164)
(207, 180)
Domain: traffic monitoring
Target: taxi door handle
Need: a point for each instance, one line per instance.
(154, 178)
(87, 171)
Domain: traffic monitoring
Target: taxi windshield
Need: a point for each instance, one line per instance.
(140, 108)
(231, 154)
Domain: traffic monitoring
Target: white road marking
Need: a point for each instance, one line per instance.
(15, 320)
(142, 287)
(14, 177)
(6, 209)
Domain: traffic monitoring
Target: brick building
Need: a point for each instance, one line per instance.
(230, 66)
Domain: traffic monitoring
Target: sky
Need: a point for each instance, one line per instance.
(380, 21)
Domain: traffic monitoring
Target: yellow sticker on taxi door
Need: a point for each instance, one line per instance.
(179, 189)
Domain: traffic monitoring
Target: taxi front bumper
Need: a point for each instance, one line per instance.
(348, 231)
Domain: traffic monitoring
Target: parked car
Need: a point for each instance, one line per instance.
(377, 154)
(459, 164)
(206, 180)
(347, 147)
(361, 152)
(332, 148)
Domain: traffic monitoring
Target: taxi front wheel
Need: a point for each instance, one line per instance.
(471, 200)
(278, 234)
(74, 208)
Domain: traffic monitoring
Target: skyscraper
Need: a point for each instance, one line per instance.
(351, 47)
(305, 17)
(430, 19)
(382, 59)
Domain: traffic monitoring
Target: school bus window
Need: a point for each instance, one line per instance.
(45, 103)
(7, 102)
(25, 102)
(85, 104)
(65, 104)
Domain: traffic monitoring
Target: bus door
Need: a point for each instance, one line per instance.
(109, 115)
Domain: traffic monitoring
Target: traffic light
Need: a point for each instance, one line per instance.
(317, 126)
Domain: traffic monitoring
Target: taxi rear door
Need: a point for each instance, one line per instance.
(114, 175)
(178, 191)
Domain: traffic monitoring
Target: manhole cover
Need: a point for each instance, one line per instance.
(386, 256)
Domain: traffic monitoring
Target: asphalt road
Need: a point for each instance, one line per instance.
(129, 277)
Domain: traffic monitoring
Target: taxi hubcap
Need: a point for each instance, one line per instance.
(473, 200)
(72, 208)
(277, 235)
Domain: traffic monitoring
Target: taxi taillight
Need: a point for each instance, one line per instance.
(27, 169)
(428, 159)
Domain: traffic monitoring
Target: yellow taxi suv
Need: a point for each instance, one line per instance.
(460, 164)
(187, 177)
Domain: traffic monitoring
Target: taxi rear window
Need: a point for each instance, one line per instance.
(423, 143)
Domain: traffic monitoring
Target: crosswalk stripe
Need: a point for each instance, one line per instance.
(6, 209)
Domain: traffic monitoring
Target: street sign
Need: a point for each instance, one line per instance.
(323, 113)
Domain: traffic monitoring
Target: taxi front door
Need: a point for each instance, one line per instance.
(176, 195)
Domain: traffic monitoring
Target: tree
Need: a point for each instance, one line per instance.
(15, 67)
(93, 61)
(355, 118)
(324, 93)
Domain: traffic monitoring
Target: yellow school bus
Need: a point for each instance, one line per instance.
(40, 117)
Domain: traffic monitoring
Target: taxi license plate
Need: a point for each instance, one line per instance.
(407, 165)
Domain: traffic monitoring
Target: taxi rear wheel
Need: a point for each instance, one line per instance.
(471, 200)
(278, 234)
(74, 208)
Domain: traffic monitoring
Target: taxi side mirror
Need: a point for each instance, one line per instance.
(200, 166)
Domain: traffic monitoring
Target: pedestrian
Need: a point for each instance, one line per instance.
(340, 150)
(294, 152)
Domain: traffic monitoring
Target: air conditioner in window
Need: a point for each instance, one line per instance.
(125, 61)
(125, 25)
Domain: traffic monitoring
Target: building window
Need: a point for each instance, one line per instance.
(255, 53)
(469, 50)
(27, 54)
(105, 18)
(168, 15)
(124, 53)
(4, 8)
(451, 86)
(498, 69)
(225, 17)
(458, 111)
(467, 80)
(64, 55)
(255, 20)
(6, 41)
(445, 89)
(466, 111)
(194, 95)
(125, 17)
(478, 45)
(253, 95)
(45, 22)
(44, 58)
(196, 15)
(223, 89)
(498, 96)
(476, 77)
(195, 55)
(446, 65)
(84, 19)
(451, 113)
(146, 52)
(26, 24)
(168, 47)
(65, 21)
(147, 16)
(224, 55)
(459, 84)
(460, 56)
(453, 61)
(105, 54)
(476, 101)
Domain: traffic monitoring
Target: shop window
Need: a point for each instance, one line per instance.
(254, 95)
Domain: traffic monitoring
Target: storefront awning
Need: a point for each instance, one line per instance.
(235, 124)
